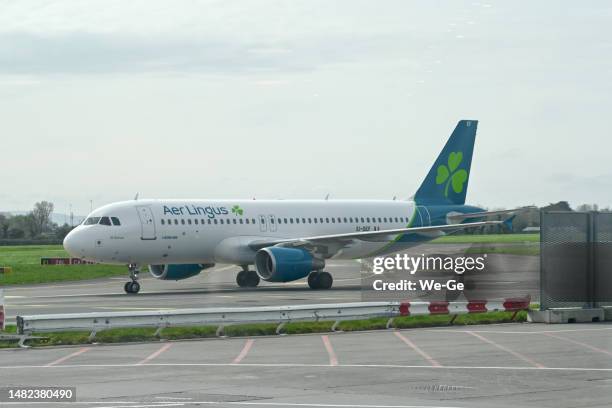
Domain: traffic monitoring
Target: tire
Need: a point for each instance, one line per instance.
(325, 280)
(313, 280)
(252, 279)
(241, 279)
(134, 287)
(127, 287)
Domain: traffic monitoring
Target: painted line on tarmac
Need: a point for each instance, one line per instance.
(298, 365)
(333, 359)
(514, 332)
(579, 343)
(68, 357)
(143, 404)
(245, 350)
(416, 348)
(506, 349)
(155, 354)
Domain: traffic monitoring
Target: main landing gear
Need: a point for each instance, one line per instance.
(247, 278)
(132, 286)
(320, 280)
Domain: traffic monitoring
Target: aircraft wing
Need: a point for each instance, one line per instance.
(338, 241)
(458, 217)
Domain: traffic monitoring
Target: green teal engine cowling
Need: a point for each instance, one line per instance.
(176, 272)
(278, 264)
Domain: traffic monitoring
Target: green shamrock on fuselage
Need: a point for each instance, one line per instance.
(237, 210)
(451, 175)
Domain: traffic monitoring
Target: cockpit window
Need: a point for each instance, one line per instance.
(115, 221)
(105, 221)
(91, 221)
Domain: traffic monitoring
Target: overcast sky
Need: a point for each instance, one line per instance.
(297, 99)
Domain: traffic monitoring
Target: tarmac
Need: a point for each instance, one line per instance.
(216, 287)
(506, 365)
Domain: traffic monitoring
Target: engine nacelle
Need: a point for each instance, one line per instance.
(176, 272)
(278, 264)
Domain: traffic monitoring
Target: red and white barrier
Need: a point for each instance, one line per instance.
(2, 315)
(472, 306)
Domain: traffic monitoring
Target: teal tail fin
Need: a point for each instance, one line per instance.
(447, 181)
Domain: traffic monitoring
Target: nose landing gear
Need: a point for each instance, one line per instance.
(132, 286)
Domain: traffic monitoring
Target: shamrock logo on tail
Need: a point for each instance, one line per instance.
(237, 210)
(451, 175)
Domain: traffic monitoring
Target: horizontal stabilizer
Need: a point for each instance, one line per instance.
(458, 217)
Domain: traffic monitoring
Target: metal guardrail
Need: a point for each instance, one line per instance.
(95, 322)
(2, 313)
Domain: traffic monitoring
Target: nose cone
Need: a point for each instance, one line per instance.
(70, 244)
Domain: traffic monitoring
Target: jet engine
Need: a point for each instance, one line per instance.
(279, 264)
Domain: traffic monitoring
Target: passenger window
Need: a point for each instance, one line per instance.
(234, 220)
(280, 221)
(291, 220)
(396, 219)
(271, 220)
(105, 221)
(326, 220)
(209, 221)
(315, 220)
(297, 220)
(285, 221)
(333, 220)
(362, 219)
(379, 219)
(303, 220)
(368, 219)
(189, 221)
(310, 220)
(247, 220)
(345, 220)
(115, 221)
(221, 220)
(253, 221)
(196, 221)
(183, 221)
(175, 221)
(215, 221)
(241, 221)
(163, 222)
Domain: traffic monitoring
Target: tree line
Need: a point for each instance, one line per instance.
(34, 226)
(37, 225)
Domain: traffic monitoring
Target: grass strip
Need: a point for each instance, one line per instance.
(260, 329)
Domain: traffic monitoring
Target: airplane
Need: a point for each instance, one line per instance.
(285, 240)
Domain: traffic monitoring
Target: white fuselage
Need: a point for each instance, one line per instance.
(219, 231)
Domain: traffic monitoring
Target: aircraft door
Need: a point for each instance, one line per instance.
(272, 222)
(263, 224)
(147, 222)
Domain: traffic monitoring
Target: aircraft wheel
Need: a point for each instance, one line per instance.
(132, 287)
(325, 280)
(241, 279)
(320, 280)
(313, 280)
(252, 279)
